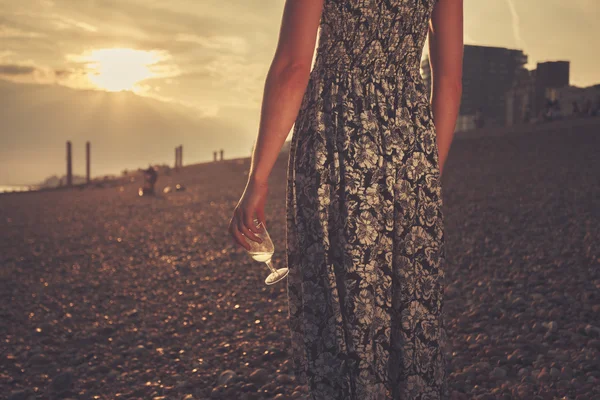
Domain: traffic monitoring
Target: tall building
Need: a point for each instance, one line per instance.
(520, 99)
(488, 73)
(528, 98)
(548, 76)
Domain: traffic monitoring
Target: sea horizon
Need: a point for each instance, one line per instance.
(16, 188)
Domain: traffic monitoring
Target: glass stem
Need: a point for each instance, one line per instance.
(270, 266)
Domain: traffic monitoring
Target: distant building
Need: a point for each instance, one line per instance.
(463, 122)
(548, 76)
(577, 101)
(488, 74)
(520, 99)
(533, 92)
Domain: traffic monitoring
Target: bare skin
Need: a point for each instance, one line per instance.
(446, 59)
(286, 84)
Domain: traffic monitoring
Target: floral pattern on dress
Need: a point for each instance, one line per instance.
(365, 232)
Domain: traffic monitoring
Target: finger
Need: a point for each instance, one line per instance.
(261, 217)
(249, 222)
(247, 232)
(232, 228)
(239, 238)
(236, 237)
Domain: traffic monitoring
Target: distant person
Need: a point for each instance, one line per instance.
(587, 108)
(576, 110)
(150, 178)
(366, 141)
(556, 110)
(548, 110)
(151, 175)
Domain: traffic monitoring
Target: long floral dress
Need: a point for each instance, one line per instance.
(365, 236)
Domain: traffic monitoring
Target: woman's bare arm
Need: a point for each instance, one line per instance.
(286, 82)
(446, 60)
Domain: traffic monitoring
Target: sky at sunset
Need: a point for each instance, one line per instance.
(210, 57)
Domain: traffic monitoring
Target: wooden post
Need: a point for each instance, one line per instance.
(214, 156)
(181, 156)
(222, 154)
(176, 158)
(87, 162)
(69, 165)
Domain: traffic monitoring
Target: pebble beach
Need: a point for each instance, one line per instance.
(107, 295)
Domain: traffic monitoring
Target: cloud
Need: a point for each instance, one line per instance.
(8, 32)
(62, 22)
(16, 70)
(231, 44)
(24, 73)
(220, 49)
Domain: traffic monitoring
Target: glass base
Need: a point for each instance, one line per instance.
(275, 277)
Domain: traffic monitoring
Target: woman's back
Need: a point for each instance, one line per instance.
(365, 234)
(374, 36)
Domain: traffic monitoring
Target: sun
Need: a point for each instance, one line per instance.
(120, 69)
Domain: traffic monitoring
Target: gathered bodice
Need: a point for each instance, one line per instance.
(373, 36)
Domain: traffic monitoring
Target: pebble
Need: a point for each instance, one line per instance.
(284, 379)
(249, 387)
(62, 381)
(260, 376)
(543, 375)
(498, 373)
(552, 326)
(39, 359)
(592, 331)
(26, 394)
(146, 297)
(226, 377)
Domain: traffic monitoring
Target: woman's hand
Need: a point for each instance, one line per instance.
(251, 203)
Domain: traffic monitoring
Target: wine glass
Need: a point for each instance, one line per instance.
(263, 252)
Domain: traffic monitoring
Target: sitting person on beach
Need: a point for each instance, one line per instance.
(150, 178)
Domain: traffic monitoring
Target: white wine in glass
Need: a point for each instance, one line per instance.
(263, 252)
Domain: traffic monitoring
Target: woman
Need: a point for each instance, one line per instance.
(365, 237)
